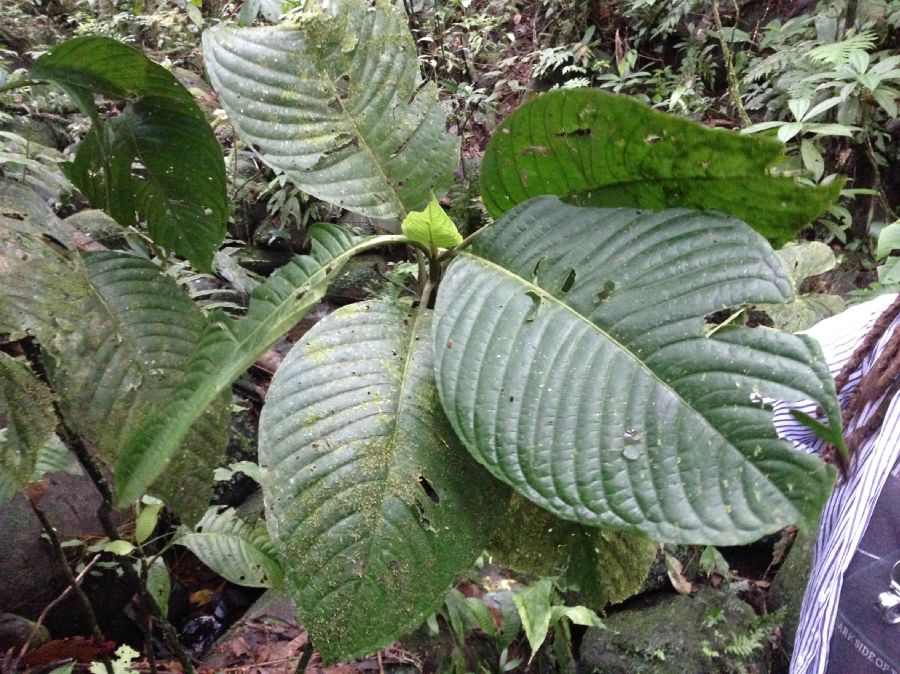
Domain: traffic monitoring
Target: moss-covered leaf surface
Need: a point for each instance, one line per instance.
(600, 149)
(374, 504)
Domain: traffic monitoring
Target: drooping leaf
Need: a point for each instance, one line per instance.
(803, 260)
(613, 405)
(239, 551)
(605, 566)
(146, 521)
(888, 240)
(228, 347)
(117, 334)
(27, 422)
(431, 227)
(337, 102)
(600, 149)
(181, 188)
(373, 503)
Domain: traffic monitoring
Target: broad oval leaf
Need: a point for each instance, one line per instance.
(228, 347)
(372, 501)
(239, 551)
(181, 191)
(27, 422)
(117, 335)
(574, 361)
(431, 227)
(601, 149)
(336, 101)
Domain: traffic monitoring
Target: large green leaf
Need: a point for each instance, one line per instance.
(336, 101)
(574, 361)
(181, 188)
(601, 149)
(27, 422)
(118, 334)
(228, 347)
(374, 504)
(237, 550)
(605, 566)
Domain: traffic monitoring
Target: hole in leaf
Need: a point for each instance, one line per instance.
(429, 489)
(605, 291)
(583, 132)
(420, 509)
(569, 282)
(537, 149)
(535, 306)
(536, 269)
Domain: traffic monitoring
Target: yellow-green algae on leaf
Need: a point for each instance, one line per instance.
(373, 503)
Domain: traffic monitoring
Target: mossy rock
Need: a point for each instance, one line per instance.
(707, 633)
(788, 589)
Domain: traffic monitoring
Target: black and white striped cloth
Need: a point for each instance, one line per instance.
(847, 513)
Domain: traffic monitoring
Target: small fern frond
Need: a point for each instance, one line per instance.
(837, 53)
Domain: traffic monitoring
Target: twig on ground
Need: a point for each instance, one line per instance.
(74, 583)
(49, 607)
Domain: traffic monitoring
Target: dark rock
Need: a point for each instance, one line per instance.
(707, 633)
(786, 593)
(30, 576)
(16, 630)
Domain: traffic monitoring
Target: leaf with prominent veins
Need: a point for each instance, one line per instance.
(609, 406)
(337, 103)
(375, 506)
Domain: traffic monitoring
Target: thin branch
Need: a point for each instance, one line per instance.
(60, 552)
(43, 616)
(104, 514)
(305, 656)
(734, 88)
(19, 84)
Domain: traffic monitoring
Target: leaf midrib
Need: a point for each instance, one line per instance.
(394, 439)
(328, 77)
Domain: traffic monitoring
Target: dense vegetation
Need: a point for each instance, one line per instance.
(563, 362)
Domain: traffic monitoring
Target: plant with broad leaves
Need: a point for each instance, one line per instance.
(558, 366)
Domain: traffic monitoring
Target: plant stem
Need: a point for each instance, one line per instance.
(734, 89)
(19, 84)
(104, 513)
(305, 656)
(465, 243)
(850, 16)
(60, 553)
(49, 607)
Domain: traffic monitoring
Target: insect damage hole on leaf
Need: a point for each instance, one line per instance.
(584, 132)
(535, 307)
(568, 282)
(429, 489)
